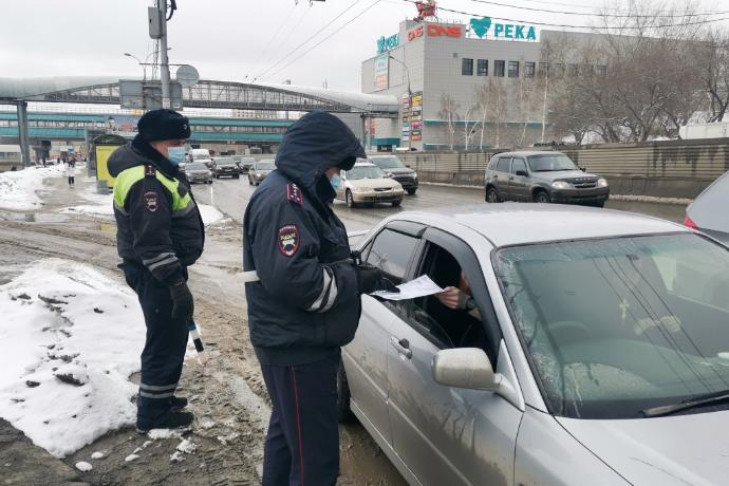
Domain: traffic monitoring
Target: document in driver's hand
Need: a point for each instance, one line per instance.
(420, 287)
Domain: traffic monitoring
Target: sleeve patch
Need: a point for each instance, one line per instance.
(293, 194)
(288, 239)
(150, 201)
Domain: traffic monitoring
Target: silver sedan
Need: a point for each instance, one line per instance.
(586, 347)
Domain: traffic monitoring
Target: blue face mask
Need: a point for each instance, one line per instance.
(176, 155)
(334, 181)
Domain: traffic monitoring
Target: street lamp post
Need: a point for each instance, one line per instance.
(143, 64)
(410, 101)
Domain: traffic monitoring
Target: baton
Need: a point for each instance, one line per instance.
(195, 335)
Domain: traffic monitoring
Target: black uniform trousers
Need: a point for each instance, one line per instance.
(302, 444)
(164, 348)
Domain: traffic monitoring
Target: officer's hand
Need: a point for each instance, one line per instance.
(182, 303)
(371, 279)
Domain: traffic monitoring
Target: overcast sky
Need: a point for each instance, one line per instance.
(232, 39)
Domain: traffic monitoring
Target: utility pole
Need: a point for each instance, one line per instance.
(164, 59)
(410, 101)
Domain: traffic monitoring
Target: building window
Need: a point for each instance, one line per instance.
(573, 70)
(530, 69)
(513, 69)
(601, 70)
(499, 68)
(543, 68)
(467, 66)
(482, 67)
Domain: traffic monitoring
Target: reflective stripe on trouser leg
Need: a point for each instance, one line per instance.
(164, 351)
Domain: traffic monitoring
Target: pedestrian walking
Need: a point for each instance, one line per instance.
(159, 235)
(307, 302)
(71, 174)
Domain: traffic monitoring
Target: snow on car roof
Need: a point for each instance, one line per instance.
(519, 223)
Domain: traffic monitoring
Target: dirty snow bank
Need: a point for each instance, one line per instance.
(18, 188)
(71, 337)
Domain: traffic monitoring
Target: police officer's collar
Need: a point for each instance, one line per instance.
(160, 162)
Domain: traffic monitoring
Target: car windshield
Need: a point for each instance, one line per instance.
(388, 162)
(196, 166)
(613, 327)
(265, 166)
(365, 172)
(248, 160)
(550, 162)
(225, 161)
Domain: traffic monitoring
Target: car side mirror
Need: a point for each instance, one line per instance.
(583, 169)
(407, 165)
(522, 173)
(468, 368)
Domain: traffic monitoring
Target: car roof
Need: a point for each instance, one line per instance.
(526, 153)
(525, 223)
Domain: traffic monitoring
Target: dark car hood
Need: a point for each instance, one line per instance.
(315, 143)
(564, 175)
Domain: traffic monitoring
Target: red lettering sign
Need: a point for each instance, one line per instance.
(453, 31)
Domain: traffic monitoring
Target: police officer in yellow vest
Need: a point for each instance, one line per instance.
(159, 234)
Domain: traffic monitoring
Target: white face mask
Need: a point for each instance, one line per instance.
(176, 155)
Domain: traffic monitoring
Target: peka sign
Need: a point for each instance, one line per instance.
(385, 44)
(481, 28)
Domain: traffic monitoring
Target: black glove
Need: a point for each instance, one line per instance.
(182, 304)
(371, 279)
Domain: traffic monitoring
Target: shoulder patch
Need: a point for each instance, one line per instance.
(150, 201)
(293, 194)
(150, 171)
(288, 239)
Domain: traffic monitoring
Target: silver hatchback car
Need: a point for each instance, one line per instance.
(595, 350)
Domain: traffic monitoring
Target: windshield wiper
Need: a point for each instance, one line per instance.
(695, 402)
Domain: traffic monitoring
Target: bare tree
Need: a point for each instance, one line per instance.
(449, 113)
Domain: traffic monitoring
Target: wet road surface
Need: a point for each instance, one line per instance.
(232, 195)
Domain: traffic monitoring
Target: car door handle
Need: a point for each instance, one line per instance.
(402, 346)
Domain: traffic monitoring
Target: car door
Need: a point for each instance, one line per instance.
(365, 358)
(501, 178)
(519, 180)
(444, 435)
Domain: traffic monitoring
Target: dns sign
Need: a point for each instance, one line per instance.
(426, 9)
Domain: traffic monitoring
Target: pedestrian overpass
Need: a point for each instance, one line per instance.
(210, 94)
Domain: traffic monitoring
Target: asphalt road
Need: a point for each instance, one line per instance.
(232, 195)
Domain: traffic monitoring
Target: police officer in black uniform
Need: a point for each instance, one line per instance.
(307, 302)
(159, 234)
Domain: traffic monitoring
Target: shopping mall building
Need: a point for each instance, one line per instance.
(481, 84)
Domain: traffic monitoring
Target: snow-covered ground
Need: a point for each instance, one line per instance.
(71, 338)
(18, 188)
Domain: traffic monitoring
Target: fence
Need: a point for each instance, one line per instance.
(666, 169)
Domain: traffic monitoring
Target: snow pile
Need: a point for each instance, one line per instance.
(71, 338)
(84, 466)
(18, 188)
(211, 216)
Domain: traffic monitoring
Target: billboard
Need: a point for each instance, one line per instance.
(382, 71)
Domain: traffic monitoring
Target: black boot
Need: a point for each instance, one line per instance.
(173, 420)
(178, 403)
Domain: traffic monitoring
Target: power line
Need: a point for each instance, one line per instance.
(270, 41)
(305, 42)
(592, 27)
(584, 14)
(326, 38)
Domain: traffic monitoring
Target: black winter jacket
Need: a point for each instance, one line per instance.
(158, 222)
(307, 302)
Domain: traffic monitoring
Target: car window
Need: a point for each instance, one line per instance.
(450, 328)
(365, 172)
(550, 162)
(391, 252)
(196, 166)
(517, 165)
(388, 162)
(615, 326)
(503, 165)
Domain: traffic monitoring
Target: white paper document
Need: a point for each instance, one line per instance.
(420, 287)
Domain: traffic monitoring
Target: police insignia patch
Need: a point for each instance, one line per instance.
(150, 201)
(293, 194)
(288, 239)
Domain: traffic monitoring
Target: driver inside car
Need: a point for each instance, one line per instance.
(459, 298)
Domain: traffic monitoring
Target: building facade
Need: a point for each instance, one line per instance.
(466, 86)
